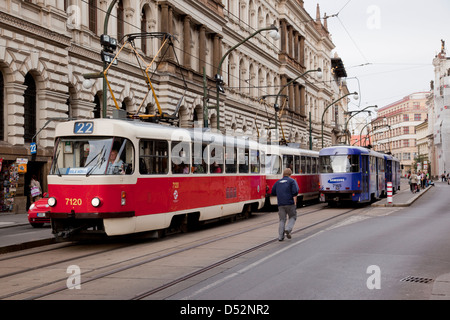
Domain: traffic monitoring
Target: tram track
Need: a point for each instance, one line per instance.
(54, 286)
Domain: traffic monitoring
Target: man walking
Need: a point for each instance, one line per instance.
(286, 190)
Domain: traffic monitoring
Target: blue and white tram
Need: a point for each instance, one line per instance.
(350, 173)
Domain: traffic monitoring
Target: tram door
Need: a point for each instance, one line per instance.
(365, 195)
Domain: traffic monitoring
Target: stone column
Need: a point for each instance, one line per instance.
(217, 52)
(297, 98)
(14, 101)
(202, 49)
(187, 42)
(290, 41)
(303, 101)
(283, 36)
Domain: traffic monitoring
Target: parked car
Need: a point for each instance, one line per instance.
(38, 213)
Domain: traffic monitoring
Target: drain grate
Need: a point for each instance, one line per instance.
(417, 279)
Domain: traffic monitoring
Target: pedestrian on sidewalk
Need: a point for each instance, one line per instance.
(286, 190)
(35, 189)
(413, 179)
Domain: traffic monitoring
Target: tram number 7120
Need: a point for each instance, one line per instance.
(73, 202)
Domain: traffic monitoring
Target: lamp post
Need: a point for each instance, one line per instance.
(360, 135)
(355, 96)
(87, 84)
(218, 77)
(354, 114)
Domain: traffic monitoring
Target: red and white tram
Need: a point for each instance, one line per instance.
(116, 177)
(304, 166)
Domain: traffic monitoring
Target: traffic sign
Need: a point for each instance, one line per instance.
(33, 148)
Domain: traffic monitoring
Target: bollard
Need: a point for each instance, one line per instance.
(389, 192)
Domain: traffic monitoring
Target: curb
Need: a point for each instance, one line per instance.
(405, 204)
(27, 245)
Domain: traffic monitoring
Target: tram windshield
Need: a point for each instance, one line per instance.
(93, 156)
(339, 164)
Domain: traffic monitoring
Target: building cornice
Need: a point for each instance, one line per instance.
(33, 30)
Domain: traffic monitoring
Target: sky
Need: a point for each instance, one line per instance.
(387, 46)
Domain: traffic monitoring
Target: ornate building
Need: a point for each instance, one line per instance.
(440, 116)
(46, 46)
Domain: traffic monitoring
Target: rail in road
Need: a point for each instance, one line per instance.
(153, 269)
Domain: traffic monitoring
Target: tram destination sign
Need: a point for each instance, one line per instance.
(85, 127)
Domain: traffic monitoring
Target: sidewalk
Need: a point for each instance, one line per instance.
(24, 237)
(403, 198)
(8, 219)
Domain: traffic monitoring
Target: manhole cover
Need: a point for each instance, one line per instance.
(416, 279)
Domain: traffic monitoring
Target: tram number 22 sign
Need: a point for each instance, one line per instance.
(85, 127)
(33, 148)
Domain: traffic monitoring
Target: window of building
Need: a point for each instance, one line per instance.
(93, 16)
(406, 117)
(120, 21)
(405, 130)
(417, 117)
(30, 108)
(143, 30)
(405, 143)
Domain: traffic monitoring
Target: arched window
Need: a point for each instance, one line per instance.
(2, 108)
(30, 108)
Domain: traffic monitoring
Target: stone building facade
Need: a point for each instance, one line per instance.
(46, 46)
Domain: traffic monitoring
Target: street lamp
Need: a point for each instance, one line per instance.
(218, 77)
(355, 96)
(354, 114)
(360, 134)
(105, 41)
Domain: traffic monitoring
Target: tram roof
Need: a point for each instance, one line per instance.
(147, 130)
(346, 150)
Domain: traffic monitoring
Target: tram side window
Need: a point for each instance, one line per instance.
(153, 156)
(243, 160)
(230, 160)
(297, 164)
(216, 159)
(181, 157)
(254, 161)
(308, 165)
(199, 154)
(381, 165)
(122, 153)
(262, 159)
(288, 162)
(303, 165)
(273, 164)
(313, 165)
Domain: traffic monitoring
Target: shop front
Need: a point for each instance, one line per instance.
(16, 170)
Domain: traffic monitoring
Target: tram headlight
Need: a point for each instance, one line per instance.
(96, 202)
(51, 201)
